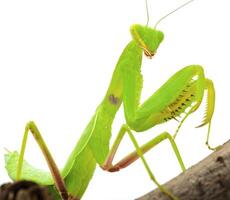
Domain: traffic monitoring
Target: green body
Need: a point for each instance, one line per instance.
(177, 94)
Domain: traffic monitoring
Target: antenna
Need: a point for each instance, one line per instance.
(147, 12)
(178, 8)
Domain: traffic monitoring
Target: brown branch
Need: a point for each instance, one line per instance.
(207, 180)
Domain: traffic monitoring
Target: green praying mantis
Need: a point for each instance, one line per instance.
(183, 91)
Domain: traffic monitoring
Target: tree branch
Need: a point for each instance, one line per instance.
(207, 180)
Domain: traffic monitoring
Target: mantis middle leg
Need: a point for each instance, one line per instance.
(139, 153)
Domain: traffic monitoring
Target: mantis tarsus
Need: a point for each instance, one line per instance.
(184, 90)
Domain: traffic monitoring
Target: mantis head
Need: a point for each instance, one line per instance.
(147, 38)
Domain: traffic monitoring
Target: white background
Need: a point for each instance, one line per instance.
(56, 60)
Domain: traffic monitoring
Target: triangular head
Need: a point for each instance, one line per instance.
(147, 38)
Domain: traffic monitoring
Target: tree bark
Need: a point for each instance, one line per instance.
(207, 180)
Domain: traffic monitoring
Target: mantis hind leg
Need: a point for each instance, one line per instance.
(138, 153)
(31, 127)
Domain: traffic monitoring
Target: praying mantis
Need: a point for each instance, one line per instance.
(184, 90)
